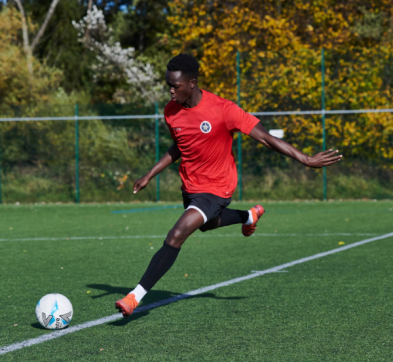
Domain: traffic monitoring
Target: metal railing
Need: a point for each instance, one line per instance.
(158, 116)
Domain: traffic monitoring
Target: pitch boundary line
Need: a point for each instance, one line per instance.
(193, 236)
(113, 317)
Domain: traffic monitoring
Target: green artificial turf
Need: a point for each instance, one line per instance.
(336, 308)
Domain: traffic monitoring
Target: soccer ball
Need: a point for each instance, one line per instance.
(54, 311)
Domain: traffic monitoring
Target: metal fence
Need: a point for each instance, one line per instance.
(93, 153)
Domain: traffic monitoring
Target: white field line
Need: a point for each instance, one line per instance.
(193, 236)
(113, 317)
(279, 271)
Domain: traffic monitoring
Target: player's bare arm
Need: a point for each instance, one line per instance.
(170, 156)
(319, 160)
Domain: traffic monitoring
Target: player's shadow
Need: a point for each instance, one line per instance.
(152, 297)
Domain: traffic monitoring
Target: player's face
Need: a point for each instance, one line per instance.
(180, 87)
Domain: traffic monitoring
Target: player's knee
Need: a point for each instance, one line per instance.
(175, 237)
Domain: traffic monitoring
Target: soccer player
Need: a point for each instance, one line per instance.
(202, 127)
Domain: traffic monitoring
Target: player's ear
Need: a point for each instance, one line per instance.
(193, 83)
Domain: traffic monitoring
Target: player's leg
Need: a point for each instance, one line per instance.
(225, 218)
(163, 259)
(248, 219)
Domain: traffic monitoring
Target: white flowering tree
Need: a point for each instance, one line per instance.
(116, 62)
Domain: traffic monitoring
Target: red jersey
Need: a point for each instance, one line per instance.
(204, 136)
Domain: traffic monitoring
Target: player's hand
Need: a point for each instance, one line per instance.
(323, 159)
(141, 183)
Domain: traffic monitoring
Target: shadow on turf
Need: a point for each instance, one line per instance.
(151, 297)
(38, 326)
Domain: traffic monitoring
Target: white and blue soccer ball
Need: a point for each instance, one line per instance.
(54, 311)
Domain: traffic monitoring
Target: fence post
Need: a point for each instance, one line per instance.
(239, 135)
(76, 154)
(157, 154)
(0, 167)
(323, 122)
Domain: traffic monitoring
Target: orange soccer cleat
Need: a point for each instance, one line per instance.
(257, 212)
(127, 305)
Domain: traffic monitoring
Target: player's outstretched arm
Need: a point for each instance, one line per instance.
(171, 156)
(321, 159)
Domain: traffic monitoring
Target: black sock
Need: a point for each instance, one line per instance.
(159, 265)
(230, 217)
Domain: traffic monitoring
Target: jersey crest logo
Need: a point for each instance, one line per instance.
(206, 127)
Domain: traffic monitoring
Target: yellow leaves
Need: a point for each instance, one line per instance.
(281, 66)
(14, 87)
(252, 43)
(122, 180)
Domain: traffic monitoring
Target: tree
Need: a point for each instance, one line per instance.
(145, 27)
(281, 63)
(130, 20)
(29, 48)
(14, 90)
(115, 63)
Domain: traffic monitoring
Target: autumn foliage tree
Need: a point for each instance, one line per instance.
(280, 45)
(15, 88)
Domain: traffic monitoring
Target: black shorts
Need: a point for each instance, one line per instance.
(208, 205)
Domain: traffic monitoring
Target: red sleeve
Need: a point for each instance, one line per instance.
(238, 120)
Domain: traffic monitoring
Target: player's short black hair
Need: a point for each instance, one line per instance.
(185, 63)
